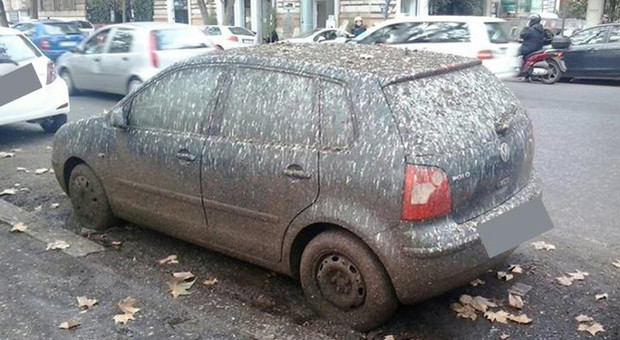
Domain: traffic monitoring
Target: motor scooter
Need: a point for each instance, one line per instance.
(546, 66)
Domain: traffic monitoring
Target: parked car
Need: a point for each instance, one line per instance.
(225, 37)
(594, 53)
(53, 37)
(48, 106)
(118, 58)
(85, 26)
(484, 38)
(321, 35)
(415, 150)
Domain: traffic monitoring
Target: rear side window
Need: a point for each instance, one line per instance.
(61, 28)
(121, 42)
(16, 48)
(420, 32)
(336, 123)
(240, 31)
(270, 107)
(497, 32)
(179, 38)
(179, 101)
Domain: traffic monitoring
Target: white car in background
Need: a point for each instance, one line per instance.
(225, 37)
(484, 38)
(321, 35)
(48, 106)
(119, 58)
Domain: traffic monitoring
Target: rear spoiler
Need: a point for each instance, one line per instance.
(435, 72)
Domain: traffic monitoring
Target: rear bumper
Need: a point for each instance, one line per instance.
(50, 100)
(503, 68)
(429, 259)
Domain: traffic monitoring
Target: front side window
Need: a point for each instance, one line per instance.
(336, 122)
(179, 101)
(121, 42)
(270, 107)
(96, 44)
(590, 36)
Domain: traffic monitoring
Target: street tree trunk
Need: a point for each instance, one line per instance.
(124, 4)
(229, 15)
(204, 12)
(3, 21)
(34, 9)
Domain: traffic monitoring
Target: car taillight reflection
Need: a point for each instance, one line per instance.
(153, 50)
(426, 193)
(51, 72)
(233, 38)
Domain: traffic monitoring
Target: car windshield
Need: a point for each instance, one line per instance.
(61, 28)
(179, 38)
(497, 33)
(240, 31)
(15, 48)
(308, 34)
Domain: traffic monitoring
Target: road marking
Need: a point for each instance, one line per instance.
(80, 246)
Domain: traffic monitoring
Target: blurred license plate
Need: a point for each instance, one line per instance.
(67, 43)
(248, 41)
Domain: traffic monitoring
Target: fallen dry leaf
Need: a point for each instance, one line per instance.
(592, 328)
(583, 318)
(479, 303)
(7, 154)
(542, 245)
(54, 205)
(171, 259)
(69, 324)
(515, 301)
(504, 336)
(19, 227)
(178, 288)
(578, 275)
(127, 306)
(504, 276)
(464, 311)
(515, 268)
(616, 264)
(22, 170)
(122, 318)
(8, 192)
(83, 301)
(476, 282)
(16, 150)
(116, 243)
(58, 244)
(389, 337)
(210, 282)
(41, 171)
(601, 296)
(182, 276)
(563, 280)
(522, 319)
(499, 316)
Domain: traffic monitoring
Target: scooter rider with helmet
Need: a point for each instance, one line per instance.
(533, 36)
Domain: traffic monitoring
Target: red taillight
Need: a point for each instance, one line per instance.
(485, 54)
(51, 72)
(44, 44)
(153, 51)
(426, 193)
(233, 38)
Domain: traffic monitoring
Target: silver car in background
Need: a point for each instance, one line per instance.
(118, 58)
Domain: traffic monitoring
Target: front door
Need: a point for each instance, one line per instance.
(610, 54)
(156, 160)
(260, 169)
(583, 58)
(85, 67)
(118, 62)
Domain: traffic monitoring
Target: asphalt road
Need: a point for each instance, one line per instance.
(577, 141)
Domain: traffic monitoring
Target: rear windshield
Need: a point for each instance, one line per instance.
(179, 38)
(16, 48)
(61, 28)
(240, 31)
(497, 32)
(450, 112)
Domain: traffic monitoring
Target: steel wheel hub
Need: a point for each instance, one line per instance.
(86, 199)
(340, 282)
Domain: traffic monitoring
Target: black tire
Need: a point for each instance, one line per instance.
(89, 199)
(52, 124)
(556, 73)
(345, 282)
(66, 76)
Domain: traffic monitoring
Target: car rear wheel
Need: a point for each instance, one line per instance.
(64, 74)
(555, 73)
(52, 124)
(345, 282)
(89, 200)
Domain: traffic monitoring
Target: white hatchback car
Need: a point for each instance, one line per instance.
(49, 104)
(320, 35)
(118, 58)
(225, 37)
(484, 38)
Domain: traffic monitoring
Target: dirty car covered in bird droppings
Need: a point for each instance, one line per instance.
(363, 171)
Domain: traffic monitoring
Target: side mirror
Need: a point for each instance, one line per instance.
(118, 117)
(76, 49)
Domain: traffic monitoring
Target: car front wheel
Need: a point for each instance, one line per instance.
(345, 282)
(89, 199)
(64, 74)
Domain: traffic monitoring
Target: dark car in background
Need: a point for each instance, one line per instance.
(363, 171)
(594, 53)
(53, 37)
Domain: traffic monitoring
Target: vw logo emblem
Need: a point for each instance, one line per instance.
(504, 152)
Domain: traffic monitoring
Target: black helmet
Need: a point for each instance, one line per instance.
(534, 19)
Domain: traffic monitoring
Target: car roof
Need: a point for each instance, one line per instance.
(148, 25)
(388, 64)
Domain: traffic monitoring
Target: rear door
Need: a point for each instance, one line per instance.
(584, 57)
(155, 163)
(118, 61)
(610, 54)
(260, 166)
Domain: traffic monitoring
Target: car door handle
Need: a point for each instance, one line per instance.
(125, 58)
(185, 155)
(296, 171)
